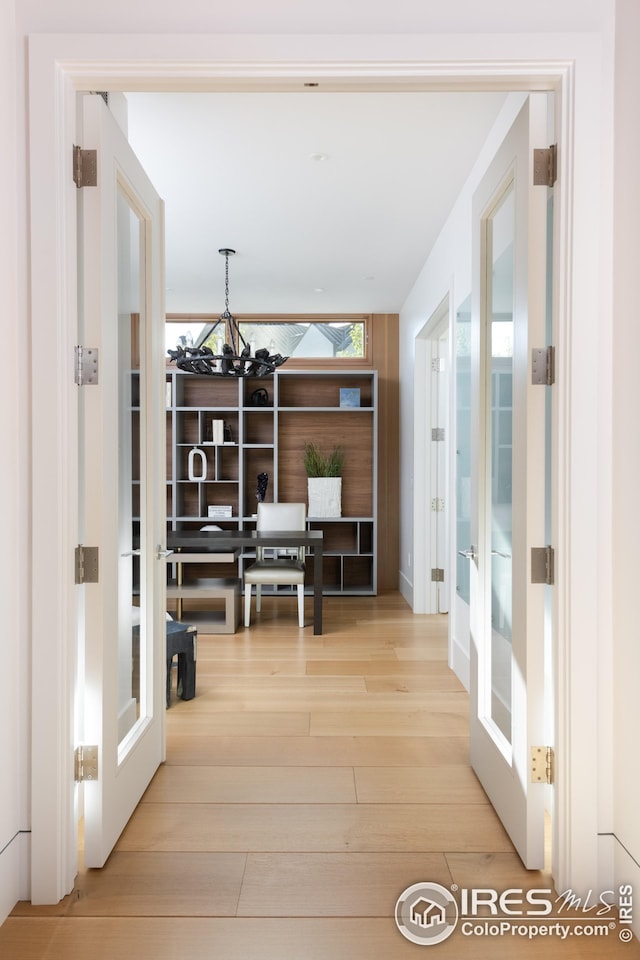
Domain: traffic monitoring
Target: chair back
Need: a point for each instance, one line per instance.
(281, 516)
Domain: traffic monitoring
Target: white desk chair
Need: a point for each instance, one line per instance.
(285, 570)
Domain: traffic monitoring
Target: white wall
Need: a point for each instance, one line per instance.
(357, 19)
(448, 270)
(14, 483)
(626, 449)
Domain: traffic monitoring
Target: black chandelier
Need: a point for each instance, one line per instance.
(234, 361)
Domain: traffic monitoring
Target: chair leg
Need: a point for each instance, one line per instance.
(258, 598)
(247, 605)
(301, 604)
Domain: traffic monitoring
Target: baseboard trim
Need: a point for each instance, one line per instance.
(460, 663)
(616, 869)
(406, 588)
(15, 863)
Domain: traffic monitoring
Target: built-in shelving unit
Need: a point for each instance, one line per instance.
(269, 438)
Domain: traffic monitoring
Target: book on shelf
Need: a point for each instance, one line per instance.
(219, 511)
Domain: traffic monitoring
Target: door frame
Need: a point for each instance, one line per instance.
(425, 599)
(61, 65)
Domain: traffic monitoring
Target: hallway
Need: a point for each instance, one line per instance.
(310, 781)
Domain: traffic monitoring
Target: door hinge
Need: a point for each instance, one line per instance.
(543, 563)
(85, 763)
(437, 433)
(437, 505)
(437, 575)
(542, 765)
(545, 166)
(543, 366)
(86, 366)
(86, 564)
(85, 167)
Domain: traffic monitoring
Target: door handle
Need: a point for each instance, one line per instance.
(163, 554)
(470, 554)
(131, 553)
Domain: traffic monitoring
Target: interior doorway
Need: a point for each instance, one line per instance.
(432, 431)
(103, 73)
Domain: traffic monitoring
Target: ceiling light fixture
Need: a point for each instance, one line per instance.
(233, 361)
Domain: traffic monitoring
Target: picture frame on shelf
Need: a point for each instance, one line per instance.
(349, 397)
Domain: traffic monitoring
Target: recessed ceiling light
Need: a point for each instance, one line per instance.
(369, 277)
(318, 289)
(318, 157)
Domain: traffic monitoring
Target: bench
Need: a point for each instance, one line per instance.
(210, 621)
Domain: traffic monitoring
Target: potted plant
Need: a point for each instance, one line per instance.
(324, 483)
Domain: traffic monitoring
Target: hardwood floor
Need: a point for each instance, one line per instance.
(310, 781)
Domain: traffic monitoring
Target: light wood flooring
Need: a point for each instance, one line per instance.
(310, 781)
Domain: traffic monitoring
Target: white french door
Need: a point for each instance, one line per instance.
(122, 470)
(507, 482)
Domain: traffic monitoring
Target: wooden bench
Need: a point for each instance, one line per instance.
(209, 621)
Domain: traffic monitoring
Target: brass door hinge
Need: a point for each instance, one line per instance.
(85, 167)
(542, 765)
(86, 564)
(85, 763)
(543, 366)
(545, 166)
(543, 565)
(86, 366)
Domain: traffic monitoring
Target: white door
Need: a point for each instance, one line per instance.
(439, 474)
(508, 482)
(122, 469)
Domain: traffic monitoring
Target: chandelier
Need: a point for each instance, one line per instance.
(235, 360)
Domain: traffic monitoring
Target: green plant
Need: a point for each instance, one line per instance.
(318, 464)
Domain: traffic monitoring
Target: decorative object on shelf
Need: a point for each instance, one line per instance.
(349, 397)
(263, 481)
(324, 483)
(233, 361)
(217, 432)
(259, 398)
(195, 454)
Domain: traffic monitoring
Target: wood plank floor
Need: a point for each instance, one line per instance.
(310, 781)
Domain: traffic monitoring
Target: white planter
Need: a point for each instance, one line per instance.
(325, 496)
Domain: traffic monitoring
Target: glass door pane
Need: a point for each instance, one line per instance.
(463, 448)
(498, 540)
(132, 626)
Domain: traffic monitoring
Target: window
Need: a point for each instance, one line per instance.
(307, 339)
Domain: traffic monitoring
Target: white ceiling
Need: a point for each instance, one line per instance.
(331, 200)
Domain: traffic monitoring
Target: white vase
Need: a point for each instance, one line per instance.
(325, 496)
(197, 459)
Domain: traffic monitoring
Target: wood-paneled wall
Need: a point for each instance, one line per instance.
(383, 356)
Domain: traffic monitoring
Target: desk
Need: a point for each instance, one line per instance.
(224, 541)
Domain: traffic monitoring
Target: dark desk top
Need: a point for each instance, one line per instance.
(232, 539)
